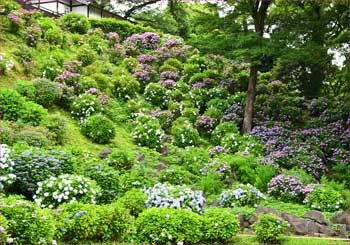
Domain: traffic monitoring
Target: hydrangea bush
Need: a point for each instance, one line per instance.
(243, 195)
(324, 199)
(85, 105)
(169, 196)
(7, 175)
(65, 188)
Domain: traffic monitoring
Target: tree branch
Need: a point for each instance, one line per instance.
(130, 11)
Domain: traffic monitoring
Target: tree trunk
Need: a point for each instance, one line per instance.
(259, 11)
(249, 106)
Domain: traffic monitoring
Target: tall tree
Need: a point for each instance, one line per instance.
(258, 13)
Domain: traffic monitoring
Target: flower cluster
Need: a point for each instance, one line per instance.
(165, 195)
(5, 63)
(33, 35)
(217, 150)
(205, 123)
(169, 75)
(146, 58)
(68, 77)
(288, 188)
(7, 175)
(144, 73)
(85, 105)
(221, 168)
(147, 40)
(243, 195)
(148, 132)
(113, 37)
(74, 66)
(65, 189)
(168, 83)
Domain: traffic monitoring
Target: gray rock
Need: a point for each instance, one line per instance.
(290, 218)
(316, 216)
(104, 153)
(140, 157)
(341, 218)
(326, 230)
(342, 231)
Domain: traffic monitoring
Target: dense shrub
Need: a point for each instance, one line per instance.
(184, 133)
(47, 93)
(94, 223)
(286, 188)
(35, 165)
(177, 175)
(57, 125)
(155, 93)
(165, 195)
(36, 136)
(76, 23)
(134, 200)
(325, 199)
(7, 173)
(220, 226)
(86, 55)
(26, 88)
(98, 128)
(32, 113)
(148, 132)
(242, 195)
(105, 177)
(125, 85)
(54, 36)
(168, 226)
(3, 228)
(27, 223)
(85, 105)
(65, 188)
(11, 104)
(120, 159)
(221, 130)
(269, 229)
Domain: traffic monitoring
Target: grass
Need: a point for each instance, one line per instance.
(251, 239)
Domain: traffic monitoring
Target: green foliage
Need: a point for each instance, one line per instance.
(26, 88)
(324, 199)
(57, 125)
(134, 200)
(168, 226)
(85, 105)
(46, 23)
(184, 133)
(211, 184)
(120, 159)
(221, 130)
(167, 67)
(3, 227)
(32, 113)
(86, 55)
(53, 36)
(35, 136)
(220, 226)
(177, 175)
(27, 222)
(264, 173)
(241, 195)
(125, 85)
(148, 132)
(269, 229)
(93, 223)
(155, 93)
(123, 28)
(98, 128)
(11, 104)
(105, 177)
(76, 23)
(174, 63)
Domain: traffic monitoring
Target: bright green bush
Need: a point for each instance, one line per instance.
(125, 85)
(65, 188)
(120, 159)
(167, 67)
(79, 223)
(26, 88)
(57, 125)
(177, 175)
(76, 23)
(324, 199)
(3, 228)
(27, 223)
(99, 129)
(148, 132)
(155, 93)
(168, 226)
(184, 133)
(35, 136)
(11, 104)
(134, 200)
(269, 229)
(32, 113)
(86, 55)
(46, 23)
(53, 36)
(220, 226)
(85, 105)
(107, 178)
(174, 63)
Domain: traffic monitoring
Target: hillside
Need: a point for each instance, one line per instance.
(112, 132)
